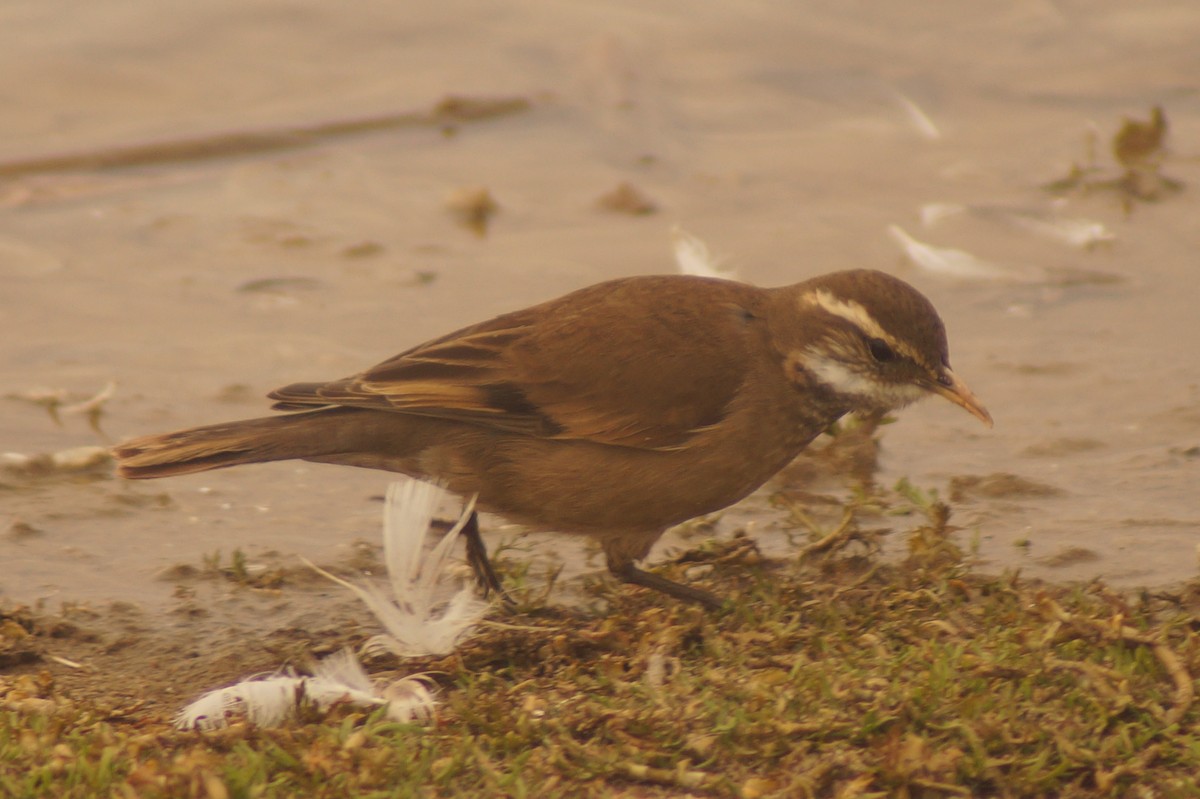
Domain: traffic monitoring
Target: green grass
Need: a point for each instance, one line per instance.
(835, 676)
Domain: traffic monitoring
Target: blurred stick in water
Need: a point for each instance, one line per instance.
(450, 111)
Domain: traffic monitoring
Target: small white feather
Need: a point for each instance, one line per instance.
(932, 213)
(95, 402)
(950, 262)
(420, 617)
(342, 669)
(692, 256)
(1073, 231)
(920, 121)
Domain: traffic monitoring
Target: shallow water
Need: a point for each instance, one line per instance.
(783, 134)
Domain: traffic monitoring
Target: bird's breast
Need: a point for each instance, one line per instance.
(582, 486)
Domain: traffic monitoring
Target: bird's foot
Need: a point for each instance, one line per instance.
(481, 565)
(632, 574)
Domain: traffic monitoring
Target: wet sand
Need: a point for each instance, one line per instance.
(786, 137)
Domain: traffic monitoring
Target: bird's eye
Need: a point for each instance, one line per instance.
(880, 351)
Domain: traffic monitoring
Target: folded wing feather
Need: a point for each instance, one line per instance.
(534, 372)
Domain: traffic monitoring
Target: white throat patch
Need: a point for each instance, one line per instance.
(836, 376)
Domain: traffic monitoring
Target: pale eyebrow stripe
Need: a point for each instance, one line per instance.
(846, 309)
(856, 315)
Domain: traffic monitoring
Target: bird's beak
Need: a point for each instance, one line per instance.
(952, 388)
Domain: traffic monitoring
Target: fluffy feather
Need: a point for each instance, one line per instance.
(949, 262)
(692, 256)
(419, 618)
(268, 700)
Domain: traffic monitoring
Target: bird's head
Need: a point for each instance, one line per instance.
(871, 340)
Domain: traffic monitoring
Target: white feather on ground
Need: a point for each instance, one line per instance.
(933, 213)
(269, 700)
(418, 619)
(1073, 231)
(693, 257)
(916, 116)
(949, 262)
(425, 615)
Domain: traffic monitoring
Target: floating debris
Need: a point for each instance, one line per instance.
(448, 112)
(1139, 149)
(1069, 556)
(67, 461)
(339, 679)
(92, 408)
(474, 208)
(18, 529)
(949, 262)
(933, 213)
(999, 485)
(1138, 145)
(920, 121)
(1073, 231)
(962, 265)
(55, 401)
(49, 398)
(692, 256)
(626, 199)
(279, 285)
(40, 190)
(94, 402)
(457, 108)
(363, 249)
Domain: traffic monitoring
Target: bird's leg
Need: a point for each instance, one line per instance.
(477, 558)
(629, 573)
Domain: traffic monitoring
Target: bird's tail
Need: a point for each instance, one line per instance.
(270, 438)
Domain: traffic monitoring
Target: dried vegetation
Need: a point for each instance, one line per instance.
(834, 674)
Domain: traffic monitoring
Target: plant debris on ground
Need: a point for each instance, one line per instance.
(837, 673)
(1139, 149)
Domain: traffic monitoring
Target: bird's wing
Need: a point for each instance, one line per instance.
(633, 362)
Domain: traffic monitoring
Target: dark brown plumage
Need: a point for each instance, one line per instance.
(615, 411)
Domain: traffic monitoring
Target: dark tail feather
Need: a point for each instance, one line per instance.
(272, 438)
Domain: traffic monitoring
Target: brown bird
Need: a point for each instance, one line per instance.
(616, 411)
